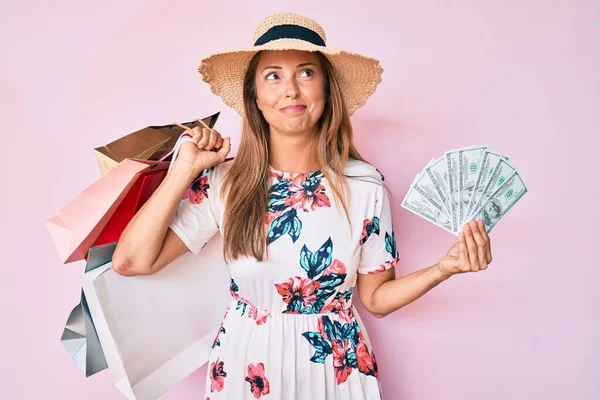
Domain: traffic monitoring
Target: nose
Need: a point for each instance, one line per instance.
(292, 89)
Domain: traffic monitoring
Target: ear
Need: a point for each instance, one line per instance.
(258, 105)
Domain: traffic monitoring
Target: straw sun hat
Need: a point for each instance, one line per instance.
(358, 75)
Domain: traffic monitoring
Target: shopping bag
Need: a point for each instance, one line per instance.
(78, 225)
(135, 198)
(149, 143)
(79, 336)
(157, 329)
(88, 219)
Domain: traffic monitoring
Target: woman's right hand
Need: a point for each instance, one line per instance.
(206, 149)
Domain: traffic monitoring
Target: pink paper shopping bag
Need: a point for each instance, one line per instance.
(77, 226)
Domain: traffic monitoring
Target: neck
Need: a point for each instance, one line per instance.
(293, 153)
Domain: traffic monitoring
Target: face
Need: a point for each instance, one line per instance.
(290, 90)
(492, 210)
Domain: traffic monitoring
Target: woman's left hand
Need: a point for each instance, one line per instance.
(472, 252)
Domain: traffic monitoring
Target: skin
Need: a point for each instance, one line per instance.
(283, 78)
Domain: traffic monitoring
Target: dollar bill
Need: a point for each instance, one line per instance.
(425, 185)
(499, 203)
(417, 203)
(501, 173)
(452, 163)
(488, 165)
(437, 170)
(469, 166)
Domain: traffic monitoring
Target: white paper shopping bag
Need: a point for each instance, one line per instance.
(155, 330)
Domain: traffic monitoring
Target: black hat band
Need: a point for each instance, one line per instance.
(290, 32)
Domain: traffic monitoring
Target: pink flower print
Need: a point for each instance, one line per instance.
(336, 267)
(370, 226)
(386, 265)
(375, 367)
(321, 328)
(345, 313)
(198, 190)
(259, 384)
(217, 376)
(298, 290)
(341, 307)
(305, 196)
(365, 362)
(341, 364)
(259, 315)
(282, 176)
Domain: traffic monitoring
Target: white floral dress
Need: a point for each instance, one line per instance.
(291, 331)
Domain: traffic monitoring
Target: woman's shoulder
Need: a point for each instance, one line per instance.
(218, 172)
(362, 171)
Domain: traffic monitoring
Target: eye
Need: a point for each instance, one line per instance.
(272, 76)
(307, 72)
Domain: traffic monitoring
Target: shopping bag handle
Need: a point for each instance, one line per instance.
(186, 136)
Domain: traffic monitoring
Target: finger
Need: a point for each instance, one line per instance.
(224, 150)
(463, 258)
(471, 246)
(196, 135)
(219, 143)
(204, 139)
(481, 245)
(487, 239)
(212, 139)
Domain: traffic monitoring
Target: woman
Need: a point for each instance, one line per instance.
(304, 219)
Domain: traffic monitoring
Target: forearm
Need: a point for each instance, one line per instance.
(397, 293)
(142, 239)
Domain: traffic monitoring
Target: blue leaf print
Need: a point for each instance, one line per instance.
(317, 341)
(347, 295)
(351, 358)
(331, 281)
(306, 259)
(277, 203)
(319, 357)
(316, 306)
(338, 330)
(350, 333)
(234, 287)
(296, 227)
(296, 306)
(329, 328)
(321, 259)
(241, 305)
(322, 346)
(390, 244)
(370, 227)
(315, 263)
(286, 223)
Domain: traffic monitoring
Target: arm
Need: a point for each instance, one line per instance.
(147, 244)
(382, 294)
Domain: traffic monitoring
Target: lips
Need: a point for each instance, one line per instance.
(293, 109)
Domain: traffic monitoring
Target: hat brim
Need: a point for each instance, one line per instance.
(358, 75)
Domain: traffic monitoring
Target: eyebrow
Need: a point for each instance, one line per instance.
(297, 66)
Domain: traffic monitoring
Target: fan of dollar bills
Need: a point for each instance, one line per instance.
(465, 184)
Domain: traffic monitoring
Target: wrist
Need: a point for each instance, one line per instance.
(438, 274)
(183, 171)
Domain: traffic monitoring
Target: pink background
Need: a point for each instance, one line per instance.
(521, 77)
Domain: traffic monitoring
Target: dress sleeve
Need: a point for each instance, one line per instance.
(196, 219)
(378, 241)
